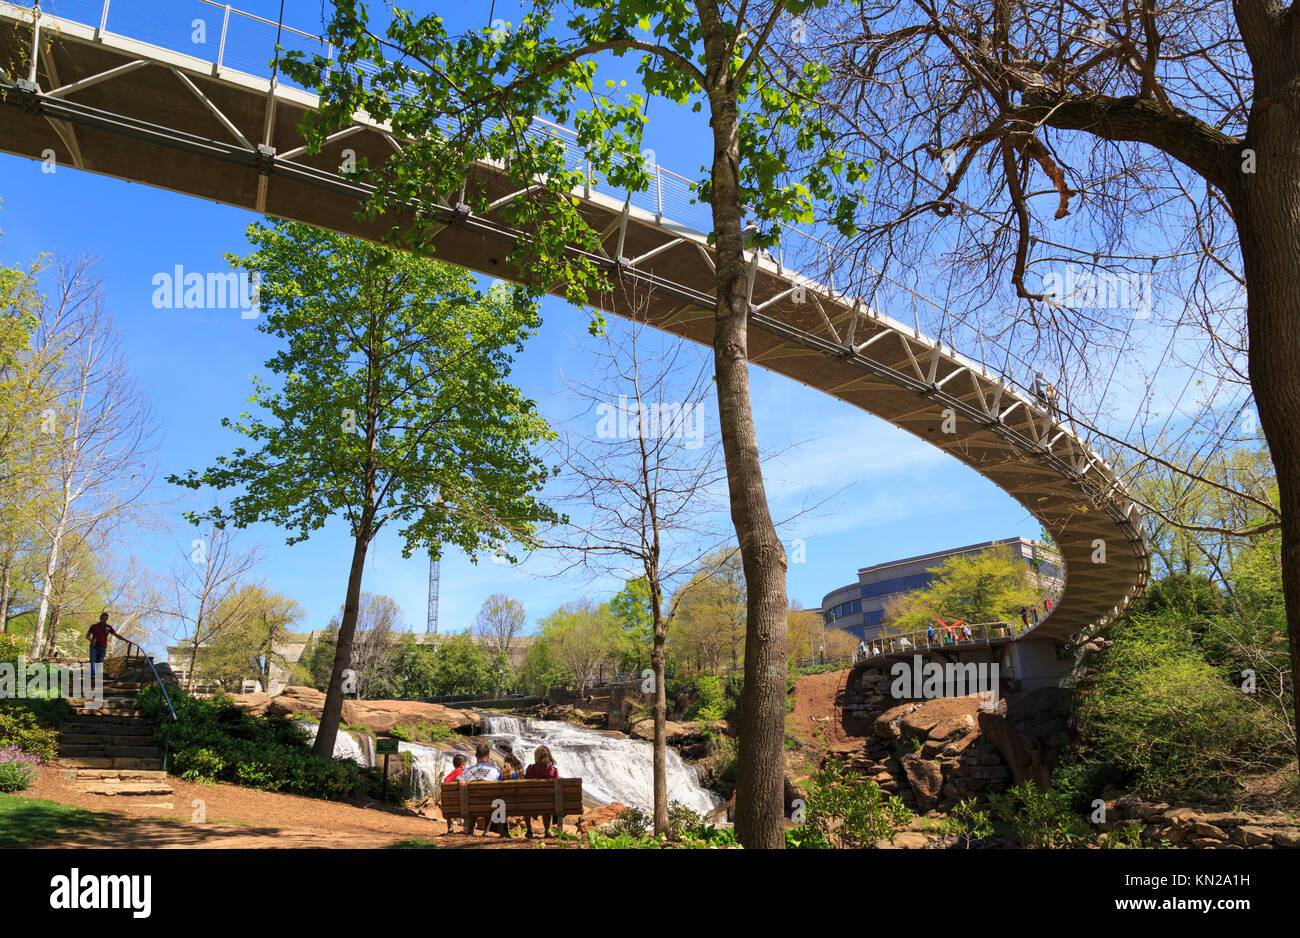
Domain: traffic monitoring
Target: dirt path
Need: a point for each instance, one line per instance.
(242, 817)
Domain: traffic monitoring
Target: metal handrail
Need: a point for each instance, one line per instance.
(167, 739)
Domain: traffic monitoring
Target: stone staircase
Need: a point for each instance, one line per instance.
(110, 749)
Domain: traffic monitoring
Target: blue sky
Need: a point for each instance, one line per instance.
(881, 494)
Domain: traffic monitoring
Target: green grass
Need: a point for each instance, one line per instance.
(26, 820)
(413, 843)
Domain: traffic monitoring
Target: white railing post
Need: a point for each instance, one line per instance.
(329, 57)
(659, 193)
(221, 49)
(103, 22)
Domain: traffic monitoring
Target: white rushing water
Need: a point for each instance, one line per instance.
(612, 767)
(345, 744)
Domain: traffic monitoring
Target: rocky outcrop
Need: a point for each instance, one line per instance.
(378, 716)
(1200, 828)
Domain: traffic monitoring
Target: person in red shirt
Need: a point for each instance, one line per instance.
(98, 635)
(543, 767)
(458, 766)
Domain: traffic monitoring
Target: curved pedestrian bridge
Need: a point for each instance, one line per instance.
(121, 88)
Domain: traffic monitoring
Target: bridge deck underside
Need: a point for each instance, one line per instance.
(147, 125)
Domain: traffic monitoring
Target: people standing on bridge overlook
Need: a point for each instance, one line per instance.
(98, 635)
(1046, 394)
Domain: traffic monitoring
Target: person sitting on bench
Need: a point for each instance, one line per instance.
(543, 767)
(457, 768)
(481, 771)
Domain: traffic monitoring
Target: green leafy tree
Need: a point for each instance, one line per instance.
(632, 609)
(461, 667)
(583, 636)
(393, 409)
(255, 640)
(989, 586)
(773, 159)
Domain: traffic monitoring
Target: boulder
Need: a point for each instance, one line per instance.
(378, 716)
(926, 778)
(674, 733)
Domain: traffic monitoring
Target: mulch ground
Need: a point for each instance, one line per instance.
(242, 818)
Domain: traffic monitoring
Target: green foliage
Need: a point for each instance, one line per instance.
(710, 698)
(499, 80)
(24, 821)
(20, 728)
(989, 586)
(1041, 819)
(214, 740)
(846, 810)
(1082, 782)
(968, 822)
(633, 822)
(632, 609)
(1157, 711)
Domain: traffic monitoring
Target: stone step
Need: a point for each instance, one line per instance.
(102, 762)
(75, 740)
(111, 727)
(109, 752)
(109, 787)
(74, 774)
(110, 702)
(106, 711)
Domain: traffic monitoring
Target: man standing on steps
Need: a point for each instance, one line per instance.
(98, 635)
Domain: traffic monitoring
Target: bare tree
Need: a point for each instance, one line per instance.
(207, 589)
(374, 645)
(98, 446)
(1025, 144)
(640, 463)
(500, 619)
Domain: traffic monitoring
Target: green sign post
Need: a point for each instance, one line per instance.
(385, 747)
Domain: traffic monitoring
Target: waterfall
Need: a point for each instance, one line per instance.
(612, 767)
(429, 766)
(346, 745)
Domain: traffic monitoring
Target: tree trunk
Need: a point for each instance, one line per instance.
(661, 717)
(333, 709)
(5, 567)
(1266, 206)
(51, 565)
(760, 782)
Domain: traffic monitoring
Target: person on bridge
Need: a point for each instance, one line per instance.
(929, 635)
(1034, 610)
(1047, 603)
(98, 635)
(543, 767)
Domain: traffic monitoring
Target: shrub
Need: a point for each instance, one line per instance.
(968, 822)
(710, 698)
(214, 740)
(633, 822)
(17, 768)
(198, 765)
(20, 729)
(1041, 819)
(844, 809)
(683, 822)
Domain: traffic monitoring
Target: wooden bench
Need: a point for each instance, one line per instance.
(525, 797)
